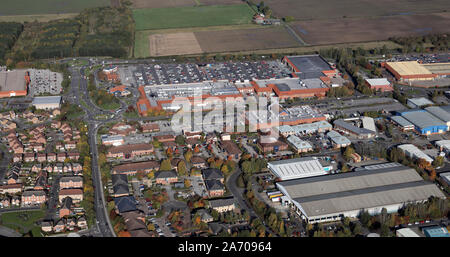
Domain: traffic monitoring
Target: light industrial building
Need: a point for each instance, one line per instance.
(297, 168)
(418, 102)
(300, 145)
(348, 128)
(414, 152)
(424, 122)
(332, 197)
(403, 123)
(338, 140)
(381, 84)
(440, 113)
(436, 231)
(445, 177)
(443, 145)
(288, 88)
(47, 102)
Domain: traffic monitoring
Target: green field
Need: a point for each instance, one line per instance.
(185, 17)
(22, 221)
(26, 7)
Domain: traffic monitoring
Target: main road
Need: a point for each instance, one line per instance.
(79, 92)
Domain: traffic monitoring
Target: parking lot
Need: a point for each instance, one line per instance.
(164, 73)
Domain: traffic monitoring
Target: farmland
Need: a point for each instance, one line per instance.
(185, 17)
(244, 39)
(320, 32)
(161, 4)
(329, 9)
(27, 7)
(213, 41)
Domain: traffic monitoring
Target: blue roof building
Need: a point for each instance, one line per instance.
(436, 232)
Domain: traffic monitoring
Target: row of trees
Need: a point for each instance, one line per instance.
(9, 33)
(420, 44)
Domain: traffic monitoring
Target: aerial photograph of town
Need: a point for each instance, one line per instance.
(224, 118)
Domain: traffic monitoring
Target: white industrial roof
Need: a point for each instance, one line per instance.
(298, 143)
(368, 123)
(338, 138)
(407, 232)
(415, 152)
(420, 101)
(378, 82)
(296, 168)
(444, 144)
(401, 121)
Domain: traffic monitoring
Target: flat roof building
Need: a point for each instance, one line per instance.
(424, 122)
(47, 102)
(403, 123)
(332, 197)
(381, 84)
(308, 66)
(406, 232)
(348, 128)
(414, 152)
(14, 83)
(440, 113)
(338, 140)
(409, 70)
(418, 102)
(436, 231)
(296, 168)
(300, 145)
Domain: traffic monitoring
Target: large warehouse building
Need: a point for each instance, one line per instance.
(371, 188)
(309, 66)
(297, 168)
(409, 71)
(424, 122)
(14, 83)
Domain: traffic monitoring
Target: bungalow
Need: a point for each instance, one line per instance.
(75, 194)
(33, 197)
(166, 177)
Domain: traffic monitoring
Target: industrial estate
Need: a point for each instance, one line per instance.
(224, 118)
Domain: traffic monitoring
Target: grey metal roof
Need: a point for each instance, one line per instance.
(47, 100)
(213, 184)
(363, 199)
(439, 113)
(423, 119)
(296, 168)
(350, 127)
(401, 121)
(221, 202)
(374, 186)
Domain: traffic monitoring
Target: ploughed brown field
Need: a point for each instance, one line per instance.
(219, 41)
(323, 32)
(331, 9)
(161, 3)
(245, 39)
(220, 2)
(174, 44)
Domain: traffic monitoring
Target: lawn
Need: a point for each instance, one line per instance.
(23, 221)
(198, 16)
(26, 7)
